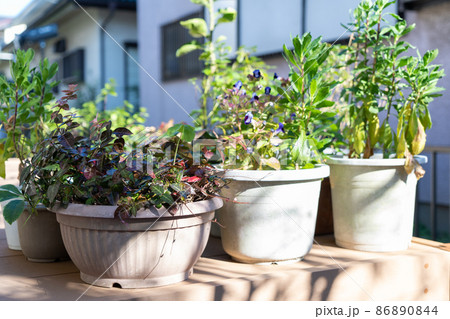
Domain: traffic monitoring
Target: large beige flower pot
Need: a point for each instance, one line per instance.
(373, 203)
(275, 217)
(152, 249)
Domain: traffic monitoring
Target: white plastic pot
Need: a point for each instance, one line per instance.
(12, 232)
(373, 203)
(12, 235)
(275, 217)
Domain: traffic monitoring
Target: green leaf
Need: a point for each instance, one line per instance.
(187, 132)
(325, 103)
(323, 93)
(24, 174)
(413, 124)
(7, 195)
(12, 210)
(158, 190)
(167, 198)
(429, 56)
(297, 46)
(289, 56)
(187, 48)
(395, 16)
(53, 190)
(306, 39)
(308, 166)
(313, 87)
(227, 15)
(425, 119)
(197, 27)
(52, 167)
(11, 188)
(272, 162)
(204, 3)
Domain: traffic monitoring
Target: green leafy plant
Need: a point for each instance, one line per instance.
(214, 54)
(175, 178)
(307, 101)
(386, 81)
(23, 113)
(122, 116)
(250, 129)
(279, 123)
(228, 71)
(100, 168)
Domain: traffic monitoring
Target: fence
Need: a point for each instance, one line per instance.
(427, 201)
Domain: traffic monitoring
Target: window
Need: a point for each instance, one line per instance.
(132, 75)
(173, 36)
(72, 70)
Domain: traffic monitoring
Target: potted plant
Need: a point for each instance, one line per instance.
(373, 186)
(24, 118)
(11, 231)
(129, 217)
(271, 137)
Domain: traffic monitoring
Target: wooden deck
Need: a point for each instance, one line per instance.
(327, 273)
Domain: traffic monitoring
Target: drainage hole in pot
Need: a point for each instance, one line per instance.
(116, 285)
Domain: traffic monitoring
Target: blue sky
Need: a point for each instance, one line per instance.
(10, 8)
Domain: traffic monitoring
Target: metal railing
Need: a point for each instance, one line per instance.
(433, 173)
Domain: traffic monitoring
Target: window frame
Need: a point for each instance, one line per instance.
(182, 62)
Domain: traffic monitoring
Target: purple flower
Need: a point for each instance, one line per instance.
(250, 150)
(279, 129)
(256, 74)
(248, 117)
(275, 76)
(238, 85)
(293, 116)
(243, 92)
(267, 90)
(254, 97)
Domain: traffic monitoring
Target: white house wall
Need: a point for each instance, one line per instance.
(80, 32)
(122, 28)
(269, 24)
(163, 100)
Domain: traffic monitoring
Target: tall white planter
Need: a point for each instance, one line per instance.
(12, 235)
(275, 218)
(12, 174)
(373, 203)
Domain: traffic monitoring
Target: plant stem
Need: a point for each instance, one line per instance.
(207, 80)
(176, 152)
(16, 106)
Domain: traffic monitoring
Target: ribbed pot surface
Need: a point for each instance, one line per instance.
(142, 252)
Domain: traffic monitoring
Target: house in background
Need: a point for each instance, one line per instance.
(268, 25)
(264, 24)
(4, 57)
(73, 34)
